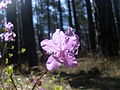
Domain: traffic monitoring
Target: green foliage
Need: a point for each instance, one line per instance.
(9, 81)
(12, 47)
(3, 88)
(10, 55)
(58, 88)
(23, 50)
(9, 70)
(6, 61)
(58, 75)
(53, 78)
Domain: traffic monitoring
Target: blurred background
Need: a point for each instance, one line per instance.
(97, 22)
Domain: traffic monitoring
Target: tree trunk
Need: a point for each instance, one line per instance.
(117, 14)
(61, 18)
(108, 32)
(70, 16)
(77, 26)
(91, 26)
(48, 14)
(98, 46)
(28, 33)
(12, 17)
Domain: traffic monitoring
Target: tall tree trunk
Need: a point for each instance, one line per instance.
(77, 26)
(98, 46)
(61, 18)
(108, 32)
(48, 14)
(91, 26)
(40, 29)
(70, 16)
(117, 14)
(28, 33)
(12, 17)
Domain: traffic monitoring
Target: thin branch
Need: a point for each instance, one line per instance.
(20, 69)
(13, 82)
(39, 79)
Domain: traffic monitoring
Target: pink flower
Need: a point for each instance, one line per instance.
(0, 55)
(4, 3)
(8, 36)
(33, 80)
(9, 26)
(61, 48)
(40, 88)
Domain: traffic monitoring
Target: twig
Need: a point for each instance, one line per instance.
(39, 79)
(20, 69)
(13, 82)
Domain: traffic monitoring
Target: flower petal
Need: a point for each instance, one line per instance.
(70, 60)
(73, 40)
(3, 4)
(2, 35)
(70, 32)
(52, 64)
(59, 37)
(7, 1)
(8, 36)
(9, 26)
(49, 46)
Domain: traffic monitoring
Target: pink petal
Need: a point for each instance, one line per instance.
(52, 64)
(9, 26)
(70, 60)
(2, 35)
(7, 1)
(3, 4)
(70, 32)
(59, 37)
(72, 43)
(49, 46)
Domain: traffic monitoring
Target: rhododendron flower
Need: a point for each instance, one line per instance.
(9, 26)
(8, 36)
(40, 88)
(62, 49)
(4, 3)
(0, 55)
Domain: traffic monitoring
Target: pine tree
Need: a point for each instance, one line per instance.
(91, 26)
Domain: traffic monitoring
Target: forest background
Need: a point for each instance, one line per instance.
(97, 23)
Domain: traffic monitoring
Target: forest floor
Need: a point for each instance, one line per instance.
(91, 74)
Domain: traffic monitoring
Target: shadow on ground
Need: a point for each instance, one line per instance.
(92, 80)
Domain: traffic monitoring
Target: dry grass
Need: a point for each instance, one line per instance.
(91, 74)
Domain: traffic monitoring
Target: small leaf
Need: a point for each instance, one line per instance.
(53, 78)
(3, 88)
(10, 55)
(9, 70)
(12, 47)
(23, 50)
(58, 75)
(6, 60)
(9, 81)
(58, 88)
